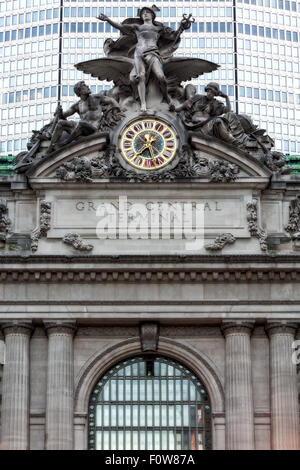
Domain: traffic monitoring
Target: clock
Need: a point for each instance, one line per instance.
(148, 144)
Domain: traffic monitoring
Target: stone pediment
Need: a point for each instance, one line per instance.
(205, 160)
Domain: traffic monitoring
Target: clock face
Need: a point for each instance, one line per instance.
(148, 144)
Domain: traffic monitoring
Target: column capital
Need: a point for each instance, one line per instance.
(17, 327)
(230, 327)
(60, 327)
(281, 327)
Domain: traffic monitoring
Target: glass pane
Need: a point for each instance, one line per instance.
(185, 390)
(171, 436)
(164, 440)
(192, 392)
(171, 384)
(185, 415)
(121, 440)
(127, 440)
(179, 421)
(113, 415)
(128, 390)
(178, 441)
(142, 390)
(128, 415)
(164, 415)
(172, 416)
(106, 392)
(99, 440)
(105, 415)
(142, 415)
(135, 440)
(135, 415)
(156, 415)
(135, 369)
(120, 390)
(113, 440)
(149, 390)
(178, 390)
(135, 390)
(142, 440)
(163, 369)
(185, 440)
(106, 440)
(99, 416)
(120, 415)
(156, 390)
(142, 367)
(156, 440)
(113, 390)
(200, 441)
(150, 440)
(199, 415)
(163, 392)
(149, 415)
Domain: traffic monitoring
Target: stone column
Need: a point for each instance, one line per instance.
(284, 393)
(60, 386)
(238, 388)
(15, 398)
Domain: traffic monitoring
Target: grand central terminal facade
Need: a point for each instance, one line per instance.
(149, 278)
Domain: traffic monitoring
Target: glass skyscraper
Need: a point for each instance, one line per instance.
(256, 43)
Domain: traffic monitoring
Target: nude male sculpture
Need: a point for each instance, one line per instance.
(90, 110)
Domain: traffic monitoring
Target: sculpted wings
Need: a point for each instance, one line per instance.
(116, 69)
(185, 68)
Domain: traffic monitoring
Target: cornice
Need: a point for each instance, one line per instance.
(229, 259)
(153, 275)
(150, 269)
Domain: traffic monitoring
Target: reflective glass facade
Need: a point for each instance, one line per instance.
(150, 403)
(266, 85)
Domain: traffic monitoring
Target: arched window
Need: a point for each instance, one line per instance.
(152, 403)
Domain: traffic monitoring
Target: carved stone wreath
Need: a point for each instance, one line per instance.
(220, 241)
(254, 229)
(293, 225)
(5, 222)
(45, 224)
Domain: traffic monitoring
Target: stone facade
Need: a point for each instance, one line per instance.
(229, 314)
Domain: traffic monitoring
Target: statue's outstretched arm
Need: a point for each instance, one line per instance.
(60, 114)
(185, 23)
(118, 26)
(109, 100)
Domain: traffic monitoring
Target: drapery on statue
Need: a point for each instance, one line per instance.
(207, 115)
(150, 37)
(90, 110)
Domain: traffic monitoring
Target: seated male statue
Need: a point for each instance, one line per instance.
(90, 110)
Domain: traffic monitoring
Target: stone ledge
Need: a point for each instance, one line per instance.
(158, 275)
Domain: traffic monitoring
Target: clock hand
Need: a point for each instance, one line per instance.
(152, 155)
(142, 149)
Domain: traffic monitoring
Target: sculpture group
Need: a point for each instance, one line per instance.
(149, 79)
